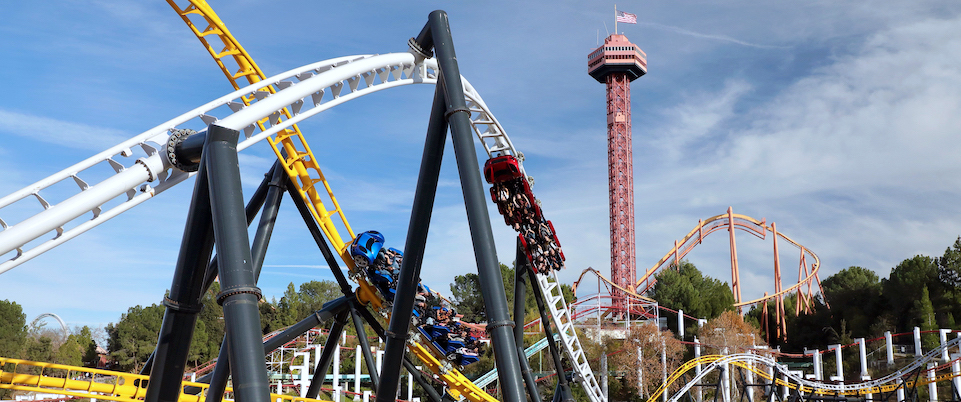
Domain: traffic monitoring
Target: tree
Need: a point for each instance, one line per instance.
(687, 289)
(134, 337)
(854, 295)
(923, 313)
(13, 328)
(949, 265)
(75, 349)
(315, 293)
(13, 333)
(906, 284)
(949, 278)
(728, 332)
(467, 298)
(649, 342)
(39, 349)
(209, 331)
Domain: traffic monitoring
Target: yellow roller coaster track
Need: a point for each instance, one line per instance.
(691, 364)
(299, 162)
(23, 375)
(301, 166)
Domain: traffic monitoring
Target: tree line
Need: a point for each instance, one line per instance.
(920, 291)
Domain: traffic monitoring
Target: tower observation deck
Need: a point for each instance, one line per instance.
(616, 64)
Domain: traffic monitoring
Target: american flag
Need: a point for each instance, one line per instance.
(626, 17)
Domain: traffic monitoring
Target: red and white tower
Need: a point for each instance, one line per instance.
(616, 64)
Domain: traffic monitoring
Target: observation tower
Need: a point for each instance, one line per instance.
(616, 64)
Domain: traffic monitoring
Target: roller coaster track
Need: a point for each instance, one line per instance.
(143, 167)
(23, 375)
(753, 362)
(289, 145)
(758, 228)
(299, 167)
(808, 265)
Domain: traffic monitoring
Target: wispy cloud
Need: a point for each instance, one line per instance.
(59, 132)
(847, 153)
(721, 38)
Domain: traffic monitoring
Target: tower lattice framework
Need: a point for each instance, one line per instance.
(616, 64)
(620, 185)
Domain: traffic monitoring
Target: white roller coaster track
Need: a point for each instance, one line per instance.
(305, 91)
(865, 387)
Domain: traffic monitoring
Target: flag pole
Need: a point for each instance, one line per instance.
(615, 19)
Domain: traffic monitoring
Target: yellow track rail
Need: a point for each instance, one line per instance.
(459, 385)
(299, 162)
(301, 166)
(110, 385)
(889, 387)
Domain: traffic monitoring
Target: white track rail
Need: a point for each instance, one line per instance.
(305, 92)
(142, 170)
(865, 387)
(561, 316)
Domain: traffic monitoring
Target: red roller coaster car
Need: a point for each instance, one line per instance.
(501, 169)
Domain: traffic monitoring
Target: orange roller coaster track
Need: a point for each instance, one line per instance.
(808, 264)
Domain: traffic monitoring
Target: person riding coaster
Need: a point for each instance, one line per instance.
(511, 192)
(432, 316)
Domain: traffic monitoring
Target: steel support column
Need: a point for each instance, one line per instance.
(414, 249)
(375, 325)
(239, 293)
(271, 199)
(253, 207)
(478, 218)
(562, 382)
(520, 310)
(365, 345)
(218, 382)
(183, 303)
(327, 356)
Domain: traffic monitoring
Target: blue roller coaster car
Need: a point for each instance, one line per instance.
(383, 281)
(365, 247)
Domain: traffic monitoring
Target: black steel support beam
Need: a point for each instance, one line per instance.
(327, 356)
(183, 303)
(364, 344)
(409, 275)
(253, 207)
(318, 236)
(475, 200)
(269, 194)
(219, 381)
(239, 293)
(431, 392)
(562, 382)
(520, 310)
(562, 393)
(256, 202)
(268, 217)
(457, 115)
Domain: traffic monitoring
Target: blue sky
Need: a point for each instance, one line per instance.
(837, 120)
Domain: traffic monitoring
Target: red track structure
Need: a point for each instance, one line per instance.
(616, 64)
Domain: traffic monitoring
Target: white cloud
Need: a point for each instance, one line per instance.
(699, 117)
(721, 38)
(860, 155)
(59, 132)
